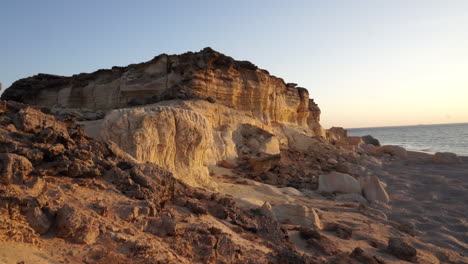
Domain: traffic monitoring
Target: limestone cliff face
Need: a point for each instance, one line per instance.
(186, 137)
(203, 75)
(184, 112)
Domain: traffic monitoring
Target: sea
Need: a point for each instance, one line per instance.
(427, 138)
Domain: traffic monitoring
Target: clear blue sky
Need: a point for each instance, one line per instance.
(366, 63)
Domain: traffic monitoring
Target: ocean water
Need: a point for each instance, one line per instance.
(429, 138)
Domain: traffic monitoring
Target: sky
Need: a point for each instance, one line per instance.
(366, 63)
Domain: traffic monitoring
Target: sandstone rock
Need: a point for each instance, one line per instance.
(228, 164)
(297, 214)
(371, 140)
(373, 190)
(402, 250)
(392, 150)
(14, 168)
(336, 133)
(338, 182)
(71, 223)
(200, 75)
(350, 143)
(264, 163)
(332, 161)
(445, 158)
(163, 225)
(38, 220)
(350, 168)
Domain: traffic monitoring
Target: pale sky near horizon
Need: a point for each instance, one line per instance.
(366, 63)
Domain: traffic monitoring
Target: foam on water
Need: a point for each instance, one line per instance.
(428, 138)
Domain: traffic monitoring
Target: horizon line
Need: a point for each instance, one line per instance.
(458, 123)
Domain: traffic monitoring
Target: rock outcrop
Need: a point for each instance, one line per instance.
(204, 75)
(183, 112)
(62, 190)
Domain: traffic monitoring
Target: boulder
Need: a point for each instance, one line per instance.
(163, 225)
(338, 182)
(264, 163)
(228, 164)
(392, 150)
(74, 224)
(350, 168)
(374, 190)
(38, 220)
(371, 140)
(445, 158)
(297, 214)
(336, 133)
(401, 249)
(349, 143)
(14, 168)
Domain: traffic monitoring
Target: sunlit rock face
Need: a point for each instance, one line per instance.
(184, 112)
(202, 75)
(186, 137)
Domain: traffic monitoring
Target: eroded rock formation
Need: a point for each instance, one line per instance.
(202, 75)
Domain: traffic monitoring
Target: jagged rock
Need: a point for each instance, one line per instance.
(71, 223)
(297, 214)
(14, 168)
(445, 158)
(338, 182)
(200, 75)
(371, 140)
(350, 143)
(392, 150)
(38, 220)
(373, 189)
(402, 250)
(163, 225)
(336, 133)
(265, 163)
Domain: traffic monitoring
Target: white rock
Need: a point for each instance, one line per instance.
(338, 182)
(374, 190)
(297, 214)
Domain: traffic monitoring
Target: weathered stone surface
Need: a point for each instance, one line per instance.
(14, 168)
(445, 158)
(265, 163)
(228, 164)
(373, 189)
(71, 223)
(38, 220)
(297, 214)
(392, 150)
(336, 133)
(205, 74)
(401, 249)
(338, 182)
(371, 140)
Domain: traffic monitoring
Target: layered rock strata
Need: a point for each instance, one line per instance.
(202, 75)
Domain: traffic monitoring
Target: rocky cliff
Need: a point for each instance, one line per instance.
(184, 112)
(206, 75)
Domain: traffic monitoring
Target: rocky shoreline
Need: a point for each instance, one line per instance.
(199, 158)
